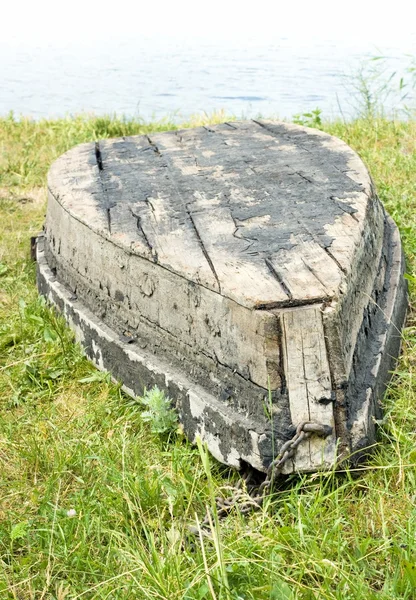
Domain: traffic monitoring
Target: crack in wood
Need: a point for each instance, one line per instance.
(271, 131)
(108, 206)
(344, 207)
(98, 156)
(261, 125)
(307, 394)
(237, 227)
(285, 136)
(154, 146)
(322, 245)
(337, 393)
(250, 167)
(234, 370)
(305, 177)
(153, 252)
(305, 379)
(283, 304)
(336, 261)
(301, 175)
(277, 276)
(281, 367)
(109, 220)
(237, 231)
(147, 201)
(343, 170)
(304, 148)
(204, 250)
(314, 273)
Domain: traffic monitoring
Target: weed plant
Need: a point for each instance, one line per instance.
(95, 505)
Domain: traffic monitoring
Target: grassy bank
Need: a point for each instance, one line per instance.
(94, 505)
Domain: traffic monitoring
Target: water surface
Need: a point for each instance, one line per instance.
(152, 77)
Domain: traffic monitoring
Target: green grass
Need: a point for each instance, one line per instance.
(95, 505)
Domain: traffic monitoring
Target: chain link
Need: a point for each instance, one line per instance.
(253, 498)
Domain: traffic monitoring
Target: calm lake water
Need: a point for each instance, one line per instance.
(149, 78)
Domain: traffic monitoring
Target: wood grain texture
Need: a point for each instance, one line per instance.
(228, 207)
(309, 383)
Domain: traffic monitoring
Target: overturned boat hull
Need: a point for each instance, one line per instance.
(247, 269)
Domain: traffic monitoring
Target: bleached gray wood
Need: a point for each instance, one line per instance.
(235, 253)
(308, 381)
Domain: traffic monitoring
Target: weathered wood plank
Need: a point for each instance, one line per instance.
(75, 180)
(159, 212)
(309, 382)
(241, 276)
(306, 272)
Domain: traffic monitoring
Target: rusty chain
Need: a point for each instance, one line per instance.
(253, 498)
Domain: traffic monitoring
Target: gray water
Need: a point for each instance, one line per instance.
(154, 78)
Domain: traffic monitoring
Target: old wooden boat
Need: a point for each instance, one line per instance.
(248, 269)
